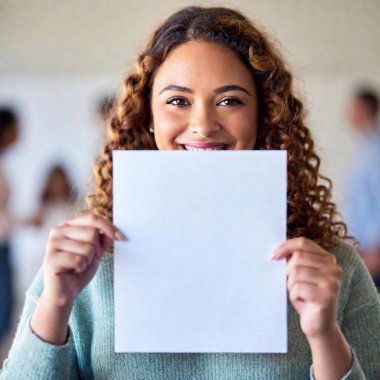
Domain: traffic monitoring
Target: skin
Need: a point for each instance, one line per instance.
(10, 137)
(360, 117)
(74, 248)
(179, 116)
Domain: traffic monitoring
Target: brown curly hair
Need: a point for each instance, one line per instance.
(311, 212)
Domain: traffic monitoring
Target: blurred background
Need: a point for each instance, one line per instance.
(60, 62)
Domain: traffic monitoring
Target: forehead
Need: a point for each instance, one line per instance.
(199, 63)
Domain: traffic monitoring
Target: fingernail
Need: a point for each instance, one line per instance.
(119, 235)
(274, 254)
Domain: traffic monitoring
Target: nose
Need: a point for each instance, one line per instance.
(203, 122)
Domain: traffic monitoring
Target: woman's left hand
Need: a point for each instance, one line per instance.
(313, 281)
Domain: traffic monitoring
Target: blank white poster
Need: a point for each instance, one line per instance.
(195, 274)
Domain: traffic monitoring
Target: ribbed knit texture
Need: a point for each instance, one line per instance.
(89, 352)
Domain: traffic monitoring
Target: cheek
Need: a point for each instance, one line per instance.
(243, 129)
(167, 125)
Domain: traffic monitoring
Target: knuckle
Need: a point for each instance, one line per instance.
(89, 248)
(302, 242)
(296, 287)
(93, 233)
(297, 255)
(92, 217)
(294, 291)
(331, 286)
(79, 260)
(296, 271)
(53, 232)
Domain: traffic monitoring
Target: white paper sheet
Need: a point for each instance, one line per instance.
(195, 274)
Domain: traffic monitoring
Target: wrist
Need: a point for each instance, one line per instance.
(50, 321)
(57, 302)
(329, 334)
(331, 354)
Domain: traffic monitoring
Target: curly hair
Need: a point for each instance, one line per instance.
(311, 212)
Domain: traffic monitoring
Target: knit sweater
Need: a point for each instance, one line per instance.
(89, 351)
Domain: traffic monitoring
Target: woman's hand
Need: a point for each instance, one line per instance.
(313, 281)
(73, 253)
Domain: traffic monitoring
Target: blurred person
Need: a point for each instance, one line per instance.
(105, 107)
(362, 191)
(104, 110)
(57, 196)
(56, 203)
(8, 136)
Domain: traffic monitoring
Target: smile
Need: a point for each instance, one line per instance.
(189, 147)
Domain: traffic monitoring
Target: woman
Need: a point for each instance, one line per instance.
(207, 77)
(56, 203)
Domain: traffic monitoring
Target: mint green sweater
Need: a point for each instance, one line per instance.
(89, 351)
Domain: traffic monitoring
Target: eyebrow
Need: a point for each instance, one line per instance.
(219, 90)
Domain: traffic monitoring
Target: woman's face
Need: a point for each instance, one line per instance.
(203, 96)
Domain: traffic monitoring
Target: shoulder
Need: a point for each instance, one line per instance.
(346, 254)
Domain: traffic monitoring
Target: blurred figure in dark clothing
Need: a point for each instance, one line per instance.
(362, 196)
(8, 136)
(105, 107)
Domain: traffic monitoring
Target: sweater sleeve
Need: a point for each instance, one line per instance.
(32, 358)
(361, 324)
(354, 373)
(361, 320)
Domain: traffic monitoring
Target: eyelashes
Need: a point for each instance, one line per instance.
(177, 101)
(181, 102)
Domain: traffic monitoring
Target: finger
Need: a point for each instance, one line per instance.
(286, 249)
(81, 233)
(307, 259)
(62, 262)
(87, 249)
(99, 222)
(305, 274)
(304, 292)
(86, 234)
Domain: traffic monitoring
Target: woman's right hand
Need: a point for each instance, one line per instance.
(73, 253)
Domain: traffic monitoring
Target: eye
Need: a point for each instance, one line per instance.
(177, 101)
(231, 102)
